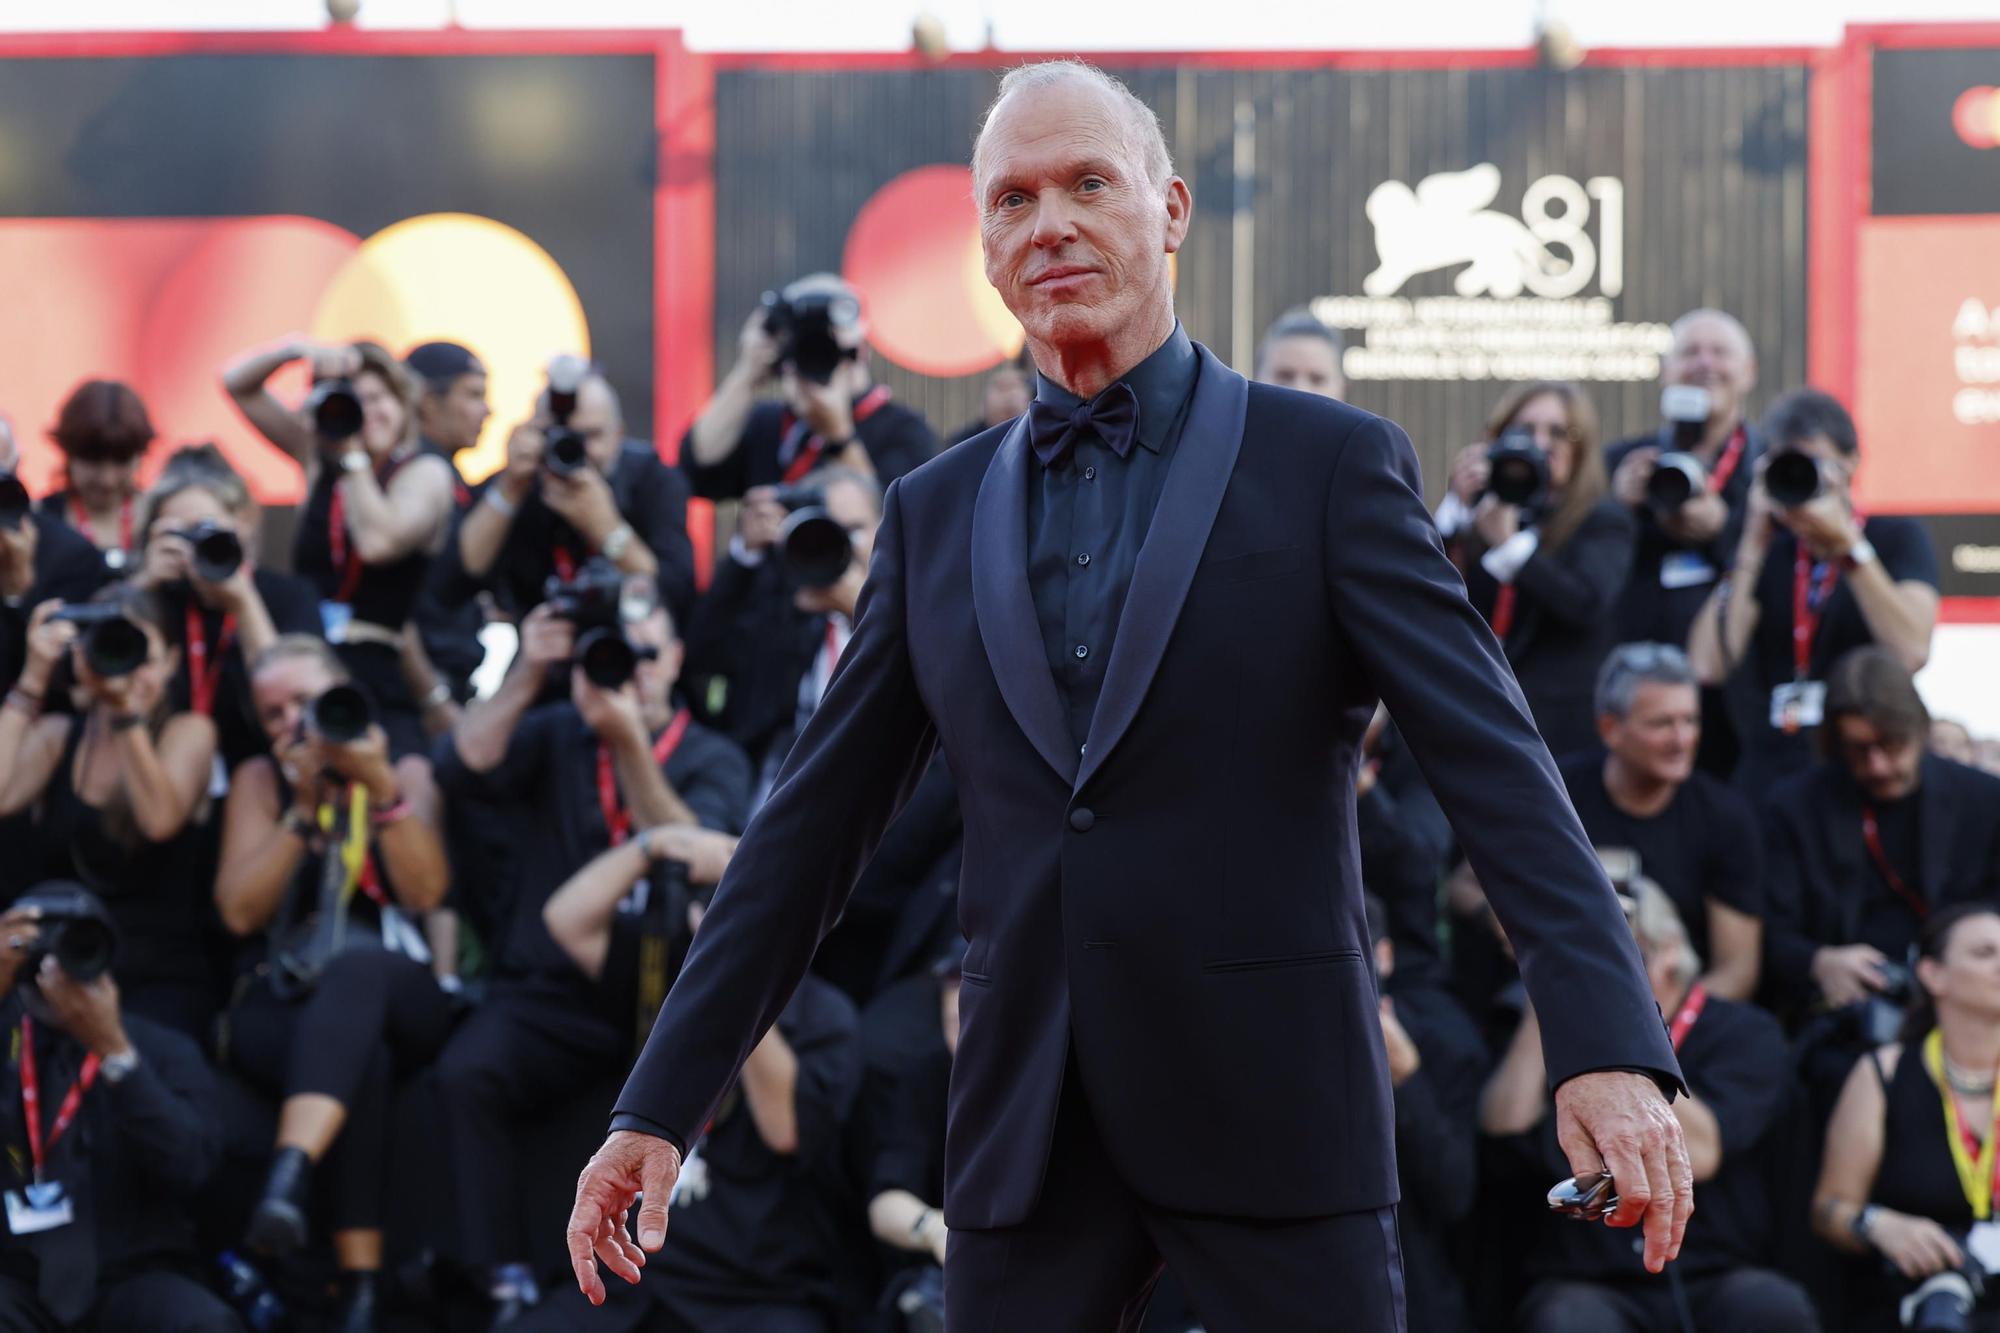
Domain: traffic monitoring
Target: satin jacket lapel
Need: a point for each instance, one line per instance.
(1005, 606)
(1196, 480)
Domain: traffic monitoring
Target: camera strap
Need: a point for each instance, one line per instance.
(1502, 618)
(204, 667)
(79, 518)
(1976, 1162)
(346, 559)
(617, 819)
(1690, 1010)
(1871, 838)
(31, 1098)
(808, 449)
(1732, 458)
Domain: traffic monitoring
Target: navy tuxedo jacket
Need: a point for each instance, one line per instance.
(1181, 898)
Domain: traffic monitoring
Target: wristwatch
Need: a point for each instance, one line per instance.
(115, 1068)
(354, 460)
(1863, 1221)
(617, 540)
(1859, 554)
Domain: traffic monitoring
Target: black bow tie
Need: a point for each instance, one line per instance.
(1113, 415)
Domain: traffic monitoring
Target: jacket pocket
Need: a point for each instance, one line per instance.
(1254, 565)
(1315, 959)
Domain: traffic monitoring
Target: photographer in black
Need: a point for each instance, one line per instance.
(322, 857)
(1811, 579)
(42, 559)
(1692, 836)
(1908, 1174)
(575, 487)
(197, 533)
(117, 789)
(1299, 351)
(1863, 848)
(811, 338)
(103, 431)
(579, 777)
(1009, 388)
(451, 412)
(109, 1135)
(779, 612)
(1588, 1278)
(378, 506)
(1543, 549)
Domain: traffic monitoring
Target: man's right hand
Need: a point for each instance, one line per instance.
(1848, 973)
(756, 350)
(18, 929)
(524, 462)
(48, 640)
(547, 639)
(760, 518)
(627, 1166)
(1635, 470)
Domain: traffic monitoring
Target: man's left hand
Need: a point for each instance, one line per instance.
(584, 502)
(1617, 1121)
(614, 715)
(87, 1010)
(827, 408)
(843, 595)
(1824, 524)
(1494, 521)
(1700, 520)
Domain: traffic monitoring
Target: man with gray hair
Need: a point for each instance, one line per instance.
(1148, 622)
(1691, 833)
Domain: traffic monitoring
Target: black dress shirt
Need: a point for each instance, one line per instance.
(1087, 518)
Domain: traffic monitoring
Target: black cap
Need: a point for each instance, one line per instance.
(438, 364)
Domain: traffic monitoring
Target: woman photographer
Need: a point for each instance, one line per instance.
(1544, 550)
(197, 518)
(332, 1015)
(116, 789)
(103, 431)
(377, 507)
(1909, 1165)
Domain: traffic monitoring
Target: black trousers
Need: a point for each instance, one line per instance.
(374, 1017)
(1735, 1300)
(156, 1302)
(1088, 1258)
(519, 1054)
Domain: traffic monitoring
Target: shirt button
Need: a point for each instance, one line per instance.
(1090, 474)
(1082, 652)
(1083, 559)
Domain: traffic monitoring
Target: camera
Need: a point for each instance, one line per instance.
(1944, 1302)
(565, 452)
(14, 502)
(1678, 476)
(335, 410)
(218, 551)
(113, 643)
(1519, 472)
(590, 601)
(803, 327)
(1880, 1016)
(342, 715)
(74, 929)
(814, 549)
(1793, 478)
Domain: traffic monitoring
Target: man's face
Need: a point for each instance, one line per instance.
(1305, 363)
(596, 418)
(1657, 738)
(1076, 237)
(1885, 767)
(1711, 354)
(454, 418)
(656, 675)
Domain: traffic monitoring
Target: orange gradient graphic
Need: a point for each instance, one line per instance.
(164, 303)
(1976, 117)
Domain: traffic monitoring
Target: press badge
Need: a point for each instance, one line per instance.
(1685, 569)
(1983, 1244)
(334, 618)
(1798, 705)
(42, 1205)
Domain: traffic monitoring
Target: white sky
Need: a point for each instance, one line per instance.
(735, 25)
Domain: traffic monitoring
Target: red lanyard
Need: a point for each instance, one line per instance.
(1732, 456)
(31, 1098)
(1871, 837)
(809, 455)
(347, 561)
(1502, 618)
(1811, 586)
(617, 819)
(79, 518)
(1690, 1010)
(565, 563)
(204, 668)
(833, 649)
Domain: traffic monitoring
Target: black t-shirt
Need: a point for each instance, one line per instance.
(547, 781)
(749, 1224)
(1887, 920)
(1703, 845)
(1736, 1063)
(896, 437)
(1904, 549)
(293, 605)
(1650, 611)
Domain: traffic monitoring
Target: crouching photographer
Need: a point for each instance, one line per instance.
(575, 488)
(1910, 1154)
(322, 855)
(109, 1138)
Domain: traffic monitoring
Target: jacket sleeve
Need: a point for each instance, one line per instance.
(1579, 582)
(1403, 612)
(165, 1110)
(852, 769)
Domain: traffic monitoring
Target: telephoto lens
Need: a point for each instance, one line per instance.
(335, 410)
(73, 927)
(1793, 478)
(1677, 478)
(342, 715)
(607, 657)
(1518, 470)
(113, 643)
(218, 552)
(565, 453)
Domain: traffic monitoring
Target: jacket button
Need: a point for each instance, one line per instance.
(1081, 819)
